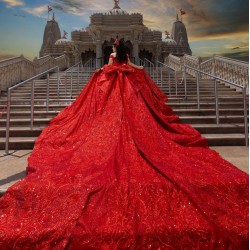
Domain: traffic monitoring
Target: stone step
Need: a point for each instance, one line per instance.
(207, 99)
(192, 89)
(51, 87)
(78, 89)
(225, 139)
(173, 102)
(213, 140)
(18, 143)
(211, 119)
(25, 122)
(202, 128)
(26, 114)
(206, 112)
(175, 105)
(22, 131)
(74, 95)
(220, 129)
(179, 112)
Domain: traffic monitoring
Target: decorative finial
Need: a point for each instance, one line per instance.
(177, 17)
(65, 33)
(53, 17)
(116, 3)
(167, 34)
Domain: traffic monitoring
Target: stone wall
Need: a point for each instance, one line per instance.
(17, 69)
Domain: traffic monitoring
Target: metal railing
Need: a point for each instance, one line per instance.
(75, 69)
(170, 70)
(99, 62)
(150, 68)
(141, 62)
(90, 65)
(30, 80)
(199, 73)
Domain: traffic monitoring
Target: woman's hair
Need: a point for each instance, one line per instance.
(121, 51)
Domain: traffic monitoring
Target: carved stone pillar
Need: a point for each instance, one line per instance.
(136, 51)
(98, 53)
(157, 53)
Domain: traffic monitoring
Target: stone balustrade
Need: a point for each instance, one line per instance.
(174, 62)
(226, 68)
(18, 69)
(191, 61)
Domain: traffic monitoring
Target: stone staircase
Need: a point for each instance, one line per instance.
(21, 135)
(230, 131)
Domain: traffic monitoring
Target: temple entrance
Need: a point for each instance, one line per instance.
(85, 56)
(130, 50)
(107, 50)
(146, 54)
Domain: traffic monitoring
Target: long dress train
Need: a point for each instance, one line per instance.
(116, 170)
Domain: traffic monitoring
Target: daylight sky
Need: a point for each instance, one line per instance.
(215, 27)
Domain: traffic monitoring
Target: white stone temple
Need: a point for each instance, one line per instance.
(95, 41)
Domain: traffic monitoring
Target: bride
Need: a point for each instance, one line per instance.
(117, 170)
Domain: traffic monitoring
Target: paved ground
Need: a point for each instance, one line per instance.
(12, 167)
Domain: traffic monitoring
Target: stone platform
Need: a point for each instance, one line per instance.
(13, 166)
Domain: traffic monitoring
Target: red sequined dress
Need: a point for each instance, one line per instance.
(117, 170)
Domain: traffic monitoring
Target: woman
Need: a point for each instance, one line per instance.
(116, 170)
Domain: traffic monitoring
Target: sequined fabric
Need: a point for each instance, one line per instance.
(117, 170)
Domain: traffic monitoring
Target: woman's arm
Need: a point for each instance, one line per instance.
(109, 63)
(134, 65)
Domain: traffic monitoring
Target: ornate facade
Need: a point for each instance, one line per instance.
(97, 39)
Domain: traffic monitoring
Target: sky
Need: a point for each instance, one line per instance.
(214, 27)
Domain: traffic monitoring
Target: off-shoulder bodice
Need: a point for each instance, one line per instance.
(115, 60)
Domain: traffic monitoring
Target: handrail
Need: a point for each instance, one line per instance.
(32, 101)
(169, 82)
(151, 67)
(32, 78)
(70, 68)
(230, 60)
(74, 68)
(141, 62)
(216, 78)
(227, 68)
(90, 64)
(99, 59)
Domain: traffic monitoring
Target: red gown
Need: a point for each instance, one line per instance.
(116, 170)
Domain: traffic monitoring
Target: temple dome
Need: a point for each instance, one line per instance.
(62, 41)
(170, 41)
(116, 10)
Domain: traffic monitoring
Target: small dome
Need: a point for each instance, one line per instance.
(116, 10)
(62, 41)
(170, 41)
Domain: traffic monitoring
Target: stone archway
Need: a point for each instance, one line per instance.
(87, 54)
(146, 54)
(107, 50)
(129, 47)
